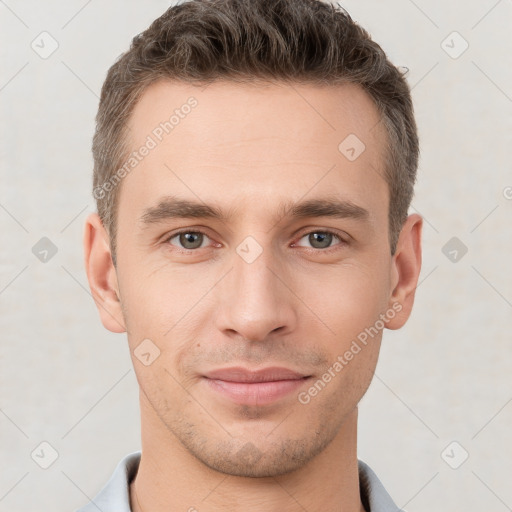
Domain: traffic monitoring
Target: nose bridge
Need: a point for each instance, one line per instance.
(256, 301)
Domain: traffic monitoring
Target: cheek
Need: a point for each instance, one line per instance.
(335, 302)
(164, 307)
(336, 391)
(347, 299)
(157, 299)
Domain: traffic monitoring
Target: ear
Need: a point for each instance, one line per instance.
(101, 274)
(406, 266)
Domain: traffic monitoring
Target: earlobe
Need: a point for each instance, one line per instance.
(101, 274)
(405, 272)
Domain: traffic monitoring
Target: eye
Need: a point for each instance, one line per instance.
(197, 239)
(321, 239)
(188, 239)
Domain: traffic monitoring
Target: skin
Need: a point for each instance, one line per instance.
(247, 149)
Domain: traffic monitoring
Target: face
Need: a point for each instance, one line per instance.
(280, 257)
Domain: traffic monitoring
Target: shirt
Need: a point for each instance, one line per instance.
(115, 495)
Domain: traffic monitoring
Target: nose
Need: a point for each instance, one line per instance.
(256, 298)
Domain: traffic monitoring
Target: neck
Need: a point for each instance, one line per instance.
(171, 478)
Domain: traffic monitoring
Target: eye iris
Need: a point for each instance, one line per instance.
(191, 238)
(325, 239)
(194, 240)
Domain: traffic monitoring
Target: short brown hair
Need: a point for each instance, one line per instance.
(299, 41)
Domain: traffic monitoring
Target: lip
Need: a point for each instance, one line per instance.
(260, 387)
(240, 374)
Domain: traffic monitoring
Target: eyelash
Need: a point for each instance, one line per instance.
(324, 231)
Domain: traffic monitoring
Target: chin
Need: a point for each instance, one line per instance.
(260, 460)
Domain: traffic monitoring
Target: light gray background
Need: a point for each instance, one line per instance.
(444, 377)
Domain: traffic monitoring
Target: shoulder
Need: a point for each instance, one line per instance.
(114, 496)
(374, 496)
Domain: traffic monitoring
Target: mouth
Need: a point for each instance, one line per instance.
(261, 387)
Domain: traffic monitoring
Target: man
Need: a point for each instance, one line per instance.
(254, 165)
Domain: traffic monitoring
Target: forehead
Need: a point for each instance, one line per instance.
(229, 142)
(255, 107)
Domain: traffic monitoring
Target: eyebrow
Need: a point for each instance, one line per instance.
(171, 207)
